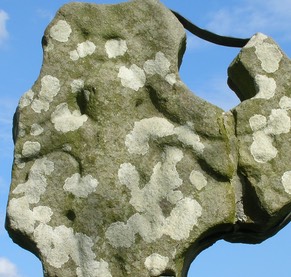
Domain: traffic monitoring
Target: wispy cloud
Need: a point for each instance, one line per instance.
(7, 268)
(3, 30)
(45, 14)
(250, 16)
(7, 109)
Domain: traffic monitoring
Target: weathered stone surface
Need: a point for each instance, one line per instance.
(262, 125)
(120, 170)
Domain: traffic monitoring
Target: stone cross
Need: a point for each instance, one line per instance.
(120, 170)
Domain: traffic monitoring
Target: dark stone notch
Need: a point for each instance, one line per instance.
(168, 273)
(70, 214)
(166, 207)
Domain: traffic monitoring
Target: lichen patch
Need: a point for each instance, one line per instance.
(59, 244)
(61, 31)
(285, 103)
(36, 130)
(278, 122)
(65, 121)
(30, 149)
(286, 181)
(133, 77)
(266, 87)
(137, 141)
(265, 129)
(258, 122)
(77, 85)
(262, 148)
(36, 184)
(269, 55)
(171, 78)
(80, 186)
(115, 48)
(197, 179)
(149, 221)
(188, 137)
(23, 218)
(50, 87)
(146, 129)
(26, 99)
(84, 49)
(257, 39)
(160, 65)
(156, 264)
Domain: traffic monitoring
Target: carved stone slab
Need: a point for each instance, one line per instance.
(120, 170)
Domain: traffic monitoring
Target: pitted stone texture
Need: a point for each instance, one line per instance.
(120, 170)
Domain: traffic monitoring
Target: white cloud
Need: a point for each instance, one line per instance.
(7, 268)
(45, 14)
(3, 31)
(246, 17)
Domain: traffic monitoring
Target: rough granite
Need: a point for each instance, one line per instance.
(120, 170)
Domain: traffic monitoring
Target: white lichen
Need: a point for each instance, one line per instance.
(26, 99)
(185, 215)
(24, 219)
(133, 77)
(197, 179)
(266, 87)
(115, 48)
(137, 141)
(36, 129)
(59, 244)
(265, 129)
(31, 149)
(258, 122)
(268, 53)
(171, 78)
(67, 147)
(160, 65)
(77, 85)
(65, 121)
(36, 184)
(21, 130)
(286, 181)
(21, 216)
(61, 31)
(278, 122)
(84, 49)
(188, 137)
(80, 186)
(285, 103)
(262, 148)
(18, 161)
(149, 221)
(257, 39)
(50, 87)
(156, 264)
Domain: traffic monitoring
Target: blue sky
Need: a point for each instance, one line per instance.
(22, 24)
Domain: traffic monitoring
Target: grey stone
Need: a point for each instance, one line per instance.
(120, 170)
